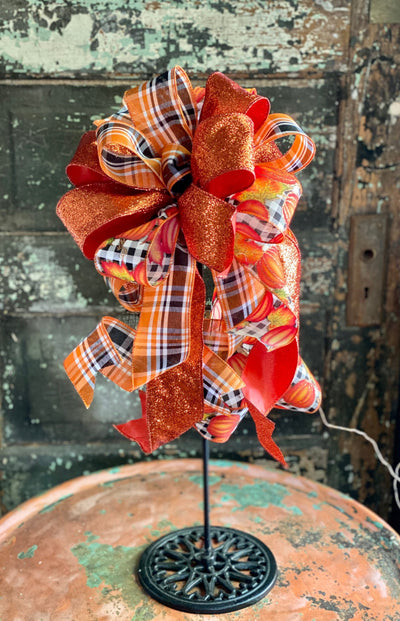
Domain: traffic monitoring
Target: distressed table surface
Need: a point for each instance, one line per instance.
(332, 65)
(69, 554)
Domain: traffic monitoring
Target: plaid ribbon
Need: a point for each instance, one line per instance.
(238, 294)
(129, 295)
(107, 350)
(143, 254)
(218, 339)
(301, 152)
(222, 385)
(147, 145)
(132, 358)
(163, 333)
(223, 398)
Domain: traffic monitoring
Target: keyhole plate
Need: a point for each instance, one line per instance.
(367, 270)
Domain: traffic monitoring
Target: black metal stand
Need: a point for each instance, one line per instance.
(207, 569)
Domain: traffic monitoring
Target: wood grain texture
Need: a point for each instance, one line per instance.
(110, 37)
(64, 64)
(362, 367)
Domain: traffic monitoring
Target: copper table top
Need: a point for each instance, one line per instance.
(70, 554)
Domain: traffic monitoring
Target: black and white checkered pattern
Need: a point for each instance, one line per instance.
(233, 399)
(277, 224)
(122, 340)
(122, 251)
(130, 253)
(253, 329)
(238, 295)
(202, 426)
(302, 373)
(256, 329)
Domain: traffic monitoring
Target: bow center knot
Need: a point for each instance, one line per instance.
(175, 168)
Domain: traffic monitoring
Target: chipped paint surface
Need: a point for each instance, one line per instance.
(104, 36)
(28, 554)
(109, 567)
(337, 561)
(53, 505)
(263, 495)
(28, 272)
(322, 62)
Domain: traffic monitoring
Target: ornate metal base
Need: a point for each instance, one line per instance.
(237, 571)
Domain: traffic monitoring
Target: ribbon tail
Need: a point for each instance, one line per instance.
(101, 352)
(137, 429)
(84, 388)
(175, 400)
(265, 428)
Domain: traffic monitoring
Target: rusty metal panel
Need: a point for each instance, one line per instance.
(367, 261)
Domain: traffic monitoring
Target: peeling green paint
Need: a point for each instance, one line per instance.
(29, 553)
(53, 505)
(114, 470)
(375, 523)
(261, 494)
(197, 479)
(111, 569)
(102, 36)
(36, 269)
(224, 463)
(163, 527)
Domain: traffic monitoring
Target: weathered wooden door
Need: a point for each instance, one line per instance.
(333, 66)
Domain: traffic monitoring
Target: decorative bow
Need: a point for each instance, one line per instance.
(162, 188)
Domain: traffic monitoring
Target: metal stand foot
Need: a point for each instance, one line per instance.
(238, 571)
(207, 569)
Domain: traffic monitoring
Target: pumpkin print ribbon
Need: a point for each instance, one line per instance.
(177, 178)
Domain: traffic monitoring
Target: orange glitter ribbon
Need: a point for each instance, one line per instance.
(158, 167)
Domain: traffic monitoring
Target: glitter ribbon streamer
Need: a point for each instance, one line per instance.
(161, 186)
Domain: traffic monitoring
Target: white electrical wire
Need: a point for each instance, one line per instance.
(394, 473)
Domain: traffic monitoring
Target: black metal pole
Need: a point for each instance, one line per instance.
(184, 571)
(206, 494)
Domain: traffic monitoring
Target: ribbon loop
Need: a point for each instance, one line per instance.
(160, 189)
(94, 212)
(222, 161)
(156, 114)
(84, 167)
(164, 109)
(301, 152)
(125, 155)
(224, 96)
